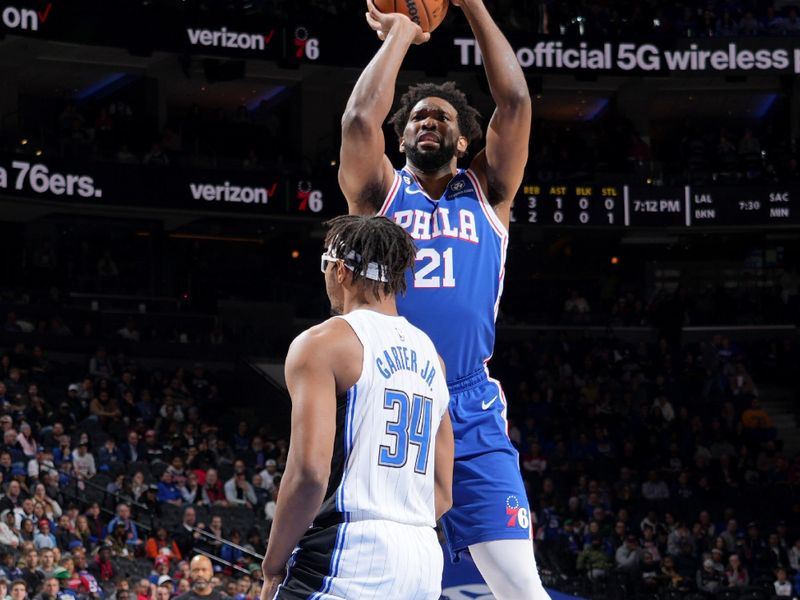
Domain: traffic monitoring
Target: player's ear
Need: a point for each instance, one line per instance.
(402, 145)
(461, 146)
(341, 271)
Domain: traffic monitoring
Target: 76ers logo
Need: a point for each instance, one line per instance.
(517, 517)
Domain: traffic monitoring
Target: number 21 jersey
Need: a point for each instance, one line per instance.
(454, 292)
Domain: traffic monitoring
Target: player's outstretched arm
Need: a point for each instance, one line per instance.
(311, 383)
(365, 172)
(502, 163)
(443, 466)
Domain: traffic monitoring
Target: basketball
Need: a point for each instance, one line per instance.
(428, 14)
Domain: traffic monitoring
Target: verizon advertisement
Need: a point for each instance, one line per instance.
(108, 184)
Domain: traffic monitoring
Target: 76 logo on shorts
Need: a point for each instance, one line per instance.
(517, 517)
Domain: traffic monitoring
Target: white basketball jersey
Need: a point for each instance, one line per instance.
(383, 463)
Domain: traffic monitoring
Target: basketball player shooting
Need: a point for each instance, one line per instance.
(459, 220)
(371, 457)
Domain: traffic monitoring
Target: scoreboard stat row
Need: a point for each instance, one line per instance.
(648, 206)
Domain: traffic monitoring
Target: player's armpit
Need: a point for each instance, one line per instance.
(443, 466)
(364, 184)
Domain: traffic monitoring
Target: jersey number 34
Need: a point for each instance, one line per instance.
(411, 426)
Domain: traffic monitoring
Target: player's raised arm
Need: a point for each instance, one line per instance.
(311, 383)
(502, 163)
(365, 172)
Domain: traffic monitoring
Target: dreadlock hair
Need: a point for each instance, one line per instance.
(372, 240)
(468, 117)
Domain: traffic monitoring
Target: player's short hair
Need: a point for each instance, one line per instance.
(468, 117)
(372, 246)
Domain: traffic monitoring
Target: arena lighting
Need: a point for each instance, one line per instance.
(614, 260)
(295, 254)
(23, 142)
(38, 153)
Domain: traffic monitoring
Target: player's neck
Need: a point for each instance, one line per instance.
(434, 182)
(386, 305)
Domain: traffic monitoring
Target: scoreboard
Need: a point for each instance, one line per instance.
(601, 205)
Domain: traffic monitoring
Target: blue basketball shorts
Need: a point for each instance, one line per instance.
(489, 499)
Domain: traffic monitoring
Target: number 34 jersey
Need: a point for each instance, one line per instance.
(383, 460)
(454, 292)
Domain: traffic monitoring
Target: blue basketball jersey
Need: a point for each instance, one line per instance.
(454, 292)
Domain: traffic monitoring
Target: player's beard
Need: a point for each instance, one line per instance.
(431, 160)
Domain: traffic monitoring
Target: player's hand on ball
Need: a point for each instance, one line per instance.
(382, 23)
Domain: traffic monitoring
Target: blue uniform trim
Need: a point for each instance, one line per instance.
(341, 532)
(352, 394)
(327, 582)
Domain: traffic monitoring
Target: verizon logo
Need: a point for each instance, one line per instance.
(231, 193)
(222, 38)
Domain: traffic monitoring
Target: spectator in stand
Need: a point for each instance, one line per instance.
(117, 540)
(8, 535)
(239, 491)
(27, 442)
(123, 517)
(44, 538)
(110, 454)
(736, 574)
(709, 579)
(50, 590)
(100, 366)
(213, 492)
(593, 560)
(230, 553)
(152, 449)
(19, 590)
(185, 536)
(191, 492)
(168, 492)
(655, 489)
(83, 461)
(105, 408)
(729, 535)
(131, 450)
(755, 417)
(161, 547)
(576, 308)
(628, 556)
(31, 574)
(268, 474)
(95, 522)
(782, 585)
(215, 529)
(102, 567)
